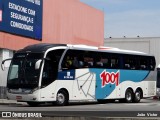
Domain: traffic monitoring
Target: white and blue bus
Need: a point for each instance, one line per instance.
(63, 73)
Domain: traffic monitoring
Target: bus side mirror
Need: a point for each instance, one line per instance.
(37, 65)
(3, 63)
(2, 66)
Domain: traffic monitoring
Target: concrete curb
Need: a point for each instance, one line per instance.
(9, 102)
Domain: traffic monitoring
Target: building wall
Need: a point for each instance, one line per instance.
(4, 54)
(64, 21)
(148, 45)
(72, 22)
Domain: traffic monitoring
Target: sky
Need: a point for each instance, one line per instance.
(129, 18)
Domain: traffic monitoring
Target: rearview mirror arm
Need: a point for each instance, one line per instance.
(2, 64)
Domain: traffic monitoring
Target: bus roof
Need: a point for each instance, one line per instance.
(42, 47)
(106, 49)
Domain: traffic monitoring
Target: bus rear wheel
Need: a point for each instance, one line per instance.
(129, 96)
(62, 98)
(137, 96)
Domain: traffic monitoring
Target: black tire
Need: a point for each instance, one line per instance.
(129, 96)
(62, 98)
(33, 104)
(137, 96)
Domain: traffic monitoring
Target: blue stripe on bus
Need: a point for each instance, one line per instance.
(105, 82)
(104, 85)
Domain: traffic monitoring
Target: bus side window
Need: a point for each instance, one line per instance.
(130, 63)
(98, 62)
(90, 64)
(74, 59)
(143, 64)
(114, 63)
(127, 66)
(76, 63)
(106, 62)
(143, 67)
(127, 63)
(80, 61)
(67, 62)
(133, 63)
(88, 59)
(151, 63)
(81, 64)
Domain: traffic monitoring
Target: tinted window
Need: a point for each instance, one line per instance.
(92, 59)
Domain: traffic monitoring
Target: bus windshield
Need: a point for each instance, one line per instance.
(22, 72)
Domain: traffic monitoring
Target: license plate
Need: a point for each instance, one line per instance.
(18, 97)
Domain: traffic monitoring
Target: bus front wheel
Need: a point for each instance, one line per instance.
(62, 98)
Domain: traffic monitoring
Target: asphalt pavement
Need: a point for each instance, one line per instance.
(56, 111)
(7, 102)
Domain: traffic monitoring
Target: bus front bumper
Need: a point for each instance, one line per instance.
(23, 97)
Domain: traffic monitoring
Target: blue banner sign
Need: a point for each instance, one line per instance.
(22, 17)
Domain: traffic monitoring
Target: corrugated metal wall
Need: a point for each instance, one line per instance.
(64, 21)
(148, 45)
